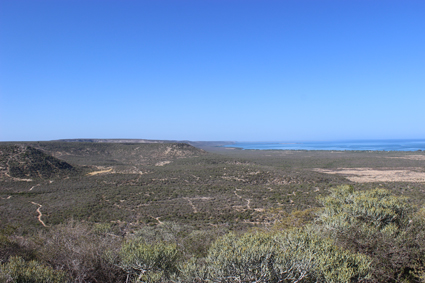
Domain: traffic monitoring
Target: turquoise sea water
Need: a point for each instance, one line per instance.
(386, 145)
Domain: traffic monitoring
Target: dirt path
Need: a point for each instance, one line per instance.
(248, 201)
(157, 219)
(248, 204)
(17, 179)
(192, 205)
(39, 213)
(8, 168)
(34, 187)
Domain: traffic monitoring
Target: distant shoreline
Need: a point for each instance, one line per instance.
(366, 145)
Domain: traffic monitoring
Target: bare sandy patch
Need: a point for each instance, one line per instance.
(367, 175)
(162, 163)
(411, 157)
(99, 172)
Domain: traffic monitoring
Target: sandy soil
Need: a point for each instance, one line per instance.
(365, 175)
(192, 205)
(162, 163)
(39, 213)
(99, 172)
(411, 157)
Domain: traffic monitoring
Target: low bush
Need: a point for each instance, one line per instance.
(145, 262)
(80, 250)
(17, 270)
(298, 255)
(373, 210)
(380, 225)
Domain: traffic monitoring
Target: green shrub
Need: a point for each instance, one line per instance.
(379, 225)
(373, 210)
(148, 262)
(245, 258)
(198, 242)
(18, 270)
(295, 219)
(291, 256)
(318, 259)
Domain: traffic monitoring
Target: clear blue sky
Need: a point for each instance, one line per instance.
(241, 70)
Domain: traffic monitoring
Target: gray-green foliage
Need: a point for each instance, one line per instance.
(148, 262)
(318, 259)
(245, 258)
(17, 270)
(383, 226)
(292, 256)
(373, 210)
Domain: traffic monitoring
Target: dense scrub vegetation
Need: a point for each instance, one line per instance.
(357, 236)
(173, 213)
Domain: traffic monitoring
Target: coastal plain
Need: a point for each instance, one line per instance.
(135, 183)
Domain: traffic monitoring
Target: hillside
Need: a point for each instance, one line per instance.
(117, 153)
(21, 161)
(113, 141)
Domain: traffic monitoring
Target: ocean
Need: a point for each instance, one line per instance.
(374, 145)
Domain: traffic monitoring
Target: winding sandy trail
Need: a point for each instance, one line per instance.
(236, 193)
(39, 213)
(17, 179)
(248, 204)
(248, 201)
(192, 205)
